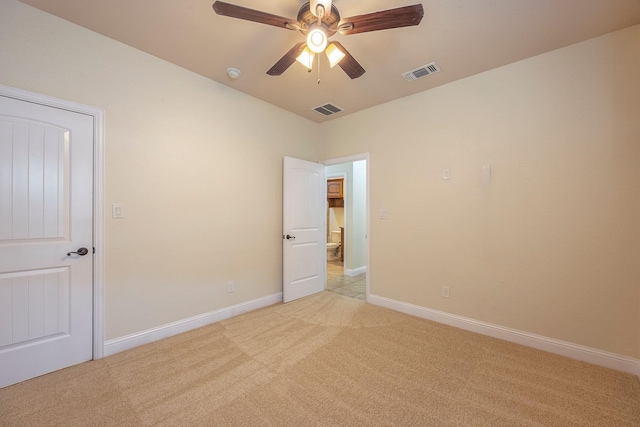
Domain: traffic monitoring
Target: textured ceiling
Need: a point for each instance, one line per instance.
(464, 37)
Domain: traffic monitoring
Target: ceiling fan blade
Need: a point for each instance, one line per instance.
(286, 61)
(393, 18)
(349, 64)
(233, 11)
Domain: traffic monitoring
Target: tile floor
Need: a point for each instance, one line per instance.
(353, 287)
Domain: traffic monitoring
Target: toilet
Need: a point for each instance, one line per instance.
(332, 251)
(333, 247)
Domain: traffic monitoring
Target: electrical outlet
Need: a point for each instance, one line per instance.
(231, 286)
(445, 292)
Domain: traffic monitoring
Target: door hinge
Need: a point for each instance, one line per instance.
(94, 250)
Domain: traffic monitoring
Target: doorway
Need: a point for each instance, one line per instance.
(347, 225)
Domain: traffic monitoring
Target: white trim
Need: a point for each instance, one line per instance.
(150, 335)
(563, 348)
(355, 271)
(98, 198)
(98, 237)
(346, 159)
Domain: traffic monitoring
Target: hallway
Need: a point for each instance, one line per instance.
(337, 282)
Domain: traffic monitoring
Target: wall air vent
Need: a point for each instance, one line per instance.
(424, 71)
(327, 109)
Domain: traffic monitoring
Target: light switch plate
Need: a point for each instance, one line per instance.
(117, 211)
(383, 214)
(446, 173)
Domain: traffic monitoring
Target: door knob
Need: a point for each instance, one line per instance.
(289, 237)
(80, 251)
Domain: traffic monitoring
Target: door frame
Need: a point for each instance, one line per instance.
(98, 198)
(355, 158)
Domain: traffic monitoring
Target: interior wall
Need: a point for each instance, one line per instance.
(336, 220)
(359, 225)
(201, 188)
(551, 245)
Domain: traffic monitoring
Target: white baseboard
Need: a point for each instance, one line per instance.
(355, 271)
(563, 348)
(127, 342)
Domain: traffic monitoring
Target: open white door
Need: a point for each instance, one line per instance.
(46, 212)
(303, 239)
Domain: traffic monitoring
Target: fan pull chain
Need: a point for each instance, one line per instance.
(318, 69)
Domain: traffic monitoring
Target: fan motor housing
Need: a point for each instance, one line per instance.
(307, 20)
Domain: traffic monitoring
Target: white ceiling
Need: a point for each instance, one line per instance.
(464, 37)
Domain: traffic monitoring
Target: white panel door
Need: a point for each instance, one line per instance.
(46, 212)
(304, 244)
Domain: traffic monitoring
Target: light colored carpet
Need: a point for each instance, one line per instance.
(327, 360)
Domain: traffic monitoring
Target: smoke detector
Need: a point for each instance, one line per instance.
(234, 73)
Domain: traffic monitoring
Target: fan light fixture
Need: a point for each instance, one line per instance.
(306, 58)
(318, 20)
(334, 54)
(317, 40)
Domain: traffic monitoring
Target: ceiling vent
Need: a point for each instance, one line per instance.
(327, 109)
(421, 72)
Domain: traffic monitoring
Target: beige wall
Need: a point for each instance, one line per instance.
(196, 164)
(551, 247)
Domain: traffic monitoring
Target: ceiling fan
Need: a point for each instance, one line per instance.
(318, 20)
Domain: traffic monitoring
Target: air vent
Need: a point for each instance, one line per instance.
(327, 109)
(421, 72)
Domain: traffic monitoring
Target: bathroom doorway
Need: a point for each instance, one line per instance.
(347, 213)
